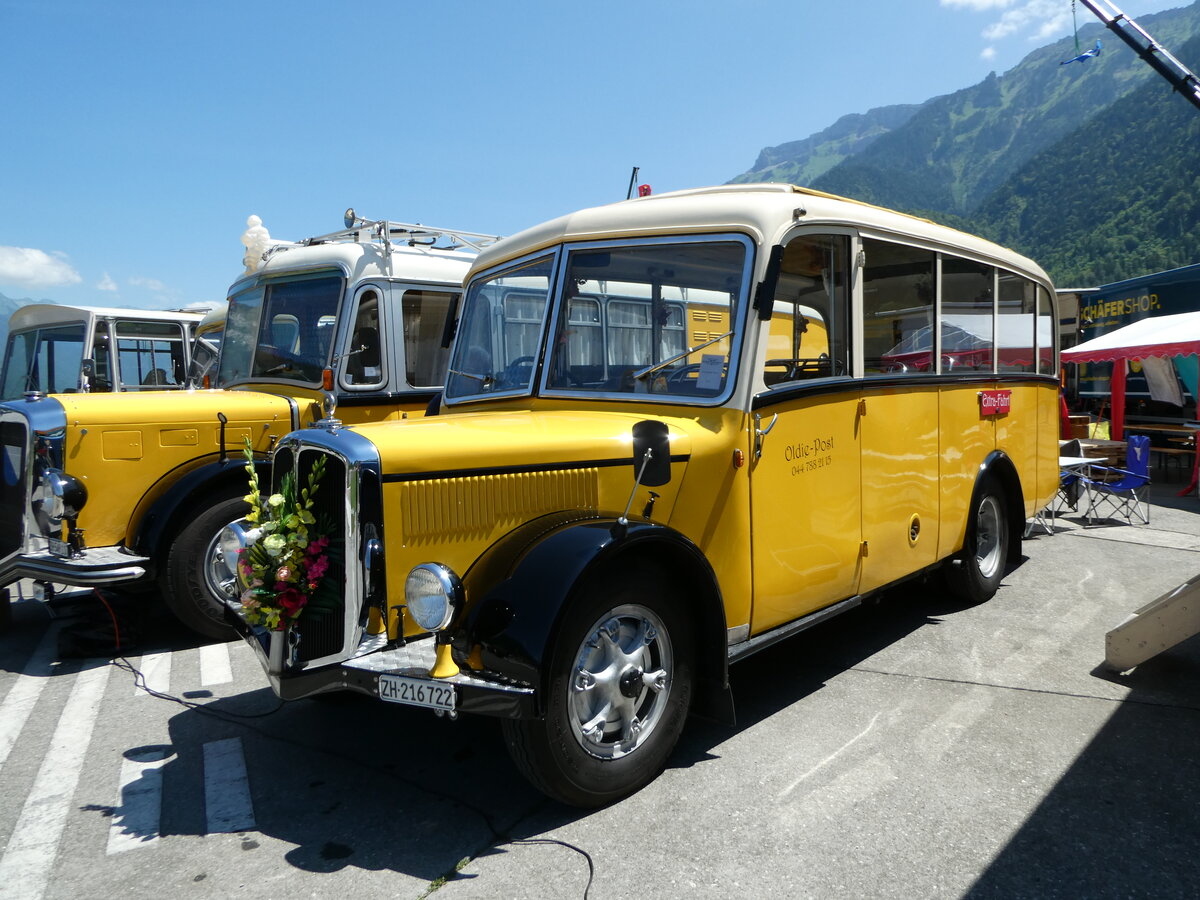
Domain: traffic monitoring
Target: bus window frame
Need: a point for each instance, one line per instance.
(736, 379)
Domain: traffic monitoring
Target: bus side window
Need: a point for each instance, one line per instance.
(364, 356)
(808, 335)
(968, 328)
(150, 354)
(898, 297)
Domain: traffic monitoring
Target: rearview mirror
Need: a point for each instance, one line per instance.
(655, 437)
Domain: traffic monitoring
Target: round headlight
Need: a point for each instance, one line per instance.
(57, 496)
(432, 593)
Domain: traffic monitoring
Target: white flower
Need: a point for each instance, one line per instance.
(274, 544)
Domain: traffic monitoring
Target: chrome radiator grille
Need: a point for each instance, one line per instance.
(14, 442)
(322, 626)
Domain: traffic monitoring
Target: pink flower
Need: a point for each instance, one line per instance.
(291, 601)
(317, 546)
(317, 567)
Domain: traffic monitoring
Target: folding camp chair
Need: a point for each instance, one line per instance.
(1124, 492)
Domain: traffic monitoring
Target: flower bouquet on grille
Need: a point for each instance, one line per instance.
(282, 571)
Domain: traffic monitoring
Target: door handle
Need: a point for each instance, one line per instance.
(760, 433)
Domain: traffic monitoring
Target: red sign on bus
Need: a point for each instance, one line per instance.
(995, 403)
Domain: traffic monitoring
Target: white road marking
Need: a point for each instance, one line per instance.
(227, 800)
(138, 811)
(28, 859)
(22, 696)
(214, 664)
(156, 672)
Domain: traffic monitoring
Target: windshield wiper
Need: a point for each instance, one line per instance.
(485, 380)
(649, 370)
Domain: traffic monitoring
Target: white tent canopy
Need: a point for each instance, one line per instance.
(1177, 335)
(1146, 339)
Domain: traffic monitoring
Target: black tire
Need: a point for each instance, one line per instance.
(974, 575)
(625, 628)
(188, 586)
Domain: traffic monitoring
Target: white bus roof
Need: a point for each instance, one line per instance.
(368, 260)
(762, 210)
(35, 315)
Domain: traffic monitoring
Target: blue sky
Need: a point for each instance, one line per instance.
(138, 136)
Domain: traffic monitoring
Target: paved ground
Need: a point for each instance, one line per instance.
(909, 749)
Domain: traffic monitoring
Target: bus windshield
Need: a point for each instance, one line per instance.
(280, 331)
(44, 359)
(658, 318)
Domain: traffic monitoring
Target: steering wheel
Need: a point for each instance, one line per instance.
(682, 374)
(517, 371)
(812, 366)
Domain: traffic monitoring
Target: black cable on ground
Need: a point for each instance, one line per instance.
(499, 838)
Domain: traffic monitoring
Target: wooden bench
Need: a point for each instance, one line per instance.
(1181, 455)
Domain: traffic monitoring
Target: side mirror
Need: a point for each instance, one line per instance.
(87, 372)
(656, 437)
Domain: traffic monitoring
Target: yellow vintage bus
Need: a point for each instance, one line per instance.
(133, 490)
(613, 505)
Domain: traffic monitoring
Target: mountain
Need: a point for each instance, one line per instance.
(800, 162)
(1089, 168)
(1119, 197)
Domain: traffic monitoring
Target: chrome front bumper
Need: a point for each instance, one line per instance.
(96, 566)
(482, 693)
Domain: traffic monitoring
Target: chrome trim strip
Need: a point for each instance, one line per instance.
(521, 470)
(775, 635)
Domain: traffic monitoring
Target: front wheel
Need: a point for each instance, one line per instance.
(201, 577)
(618, 693)
(975, 574)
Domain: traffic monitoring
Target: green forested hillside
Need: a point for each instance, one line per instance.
(801, 162)
(1092, 169)
(959, 148)
(1119, 197)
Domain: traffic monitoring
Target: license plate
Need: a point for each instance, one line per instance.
(416, 692)
(59, 548)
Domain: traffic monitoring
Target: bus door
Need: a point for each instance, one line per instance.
(805, 485)
(900, 427)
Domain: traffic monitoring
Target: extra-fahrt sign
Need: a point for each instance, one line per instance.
(995, 403)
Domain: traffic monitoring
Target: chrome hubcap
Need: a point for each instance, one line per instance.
(620, 682)
(220, 560)
(987, 537)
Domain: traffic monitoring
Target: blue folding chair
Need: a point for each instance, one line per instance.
(1123, 492)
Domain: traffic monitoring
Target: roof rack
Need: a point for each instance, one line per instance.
(362, 230)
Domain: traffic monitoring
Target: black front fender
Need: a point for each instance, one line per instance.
(519, 589)
(191, 493)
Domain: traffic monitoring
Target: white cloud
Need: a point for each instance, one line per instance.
(106, 284)
(33, 268)
(150, 284)
(1038, 20)
(978, 5)
(987, 53)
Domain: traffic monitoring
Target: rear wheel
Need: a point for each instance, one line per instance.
(200, 577)
(619, 690)
(975, 574)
